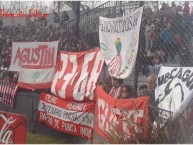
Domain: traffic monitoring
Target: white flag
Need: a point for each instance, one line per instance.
(119, 39)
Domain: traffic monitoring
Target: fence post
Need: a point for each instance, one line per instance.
(137, 62)
(77, 22)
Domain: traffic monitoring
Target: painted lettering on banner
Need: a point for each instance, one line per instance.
(13, 128)
(76, 76)
(113, 113)
(42, 56)
(5, 134)
(33, 55)
(69, 117)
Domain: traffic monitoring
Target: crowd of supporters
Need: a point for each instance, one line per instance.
(165, 33)
(37, 30)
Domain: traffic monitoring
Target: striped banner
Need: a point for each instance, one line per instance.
(8, 90)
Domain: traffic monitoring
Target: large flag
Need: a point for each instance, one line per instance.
(119, 39)
(36, 62)
(77, 74)
(13, 128)
(174, 90)
(8, 91)
(124, 117)
(70, 117)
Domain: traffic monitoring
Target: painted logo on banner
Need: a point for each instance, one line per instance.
(174, 84)
(119, 39)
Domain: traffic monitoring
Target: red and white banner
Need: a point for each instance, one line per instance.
(70, 117)
(36, 62)
(33, 55)
(8, 90)
(111, 112)
(77, 74)
(13, 128)
(36, 78)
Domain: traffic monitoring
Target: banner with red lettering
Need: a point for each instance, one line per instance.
(36, 62)
(33, 55)
(77, 74)
(8, 90)
(13, 128)
(126, 117)
(69, 117)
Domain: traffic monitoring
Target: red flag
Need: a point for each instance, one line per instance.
(111, 113)
(76, 75)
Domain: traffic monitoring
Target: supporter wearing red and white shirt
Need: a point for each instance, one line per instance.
(117, 88)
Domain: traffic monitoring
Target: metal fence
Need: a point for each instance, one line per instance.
(165, 35)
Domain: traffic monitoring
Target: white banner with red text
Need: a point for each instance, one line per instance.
(33, 55)
(126, 117)
(69, 117)
(119, 39)
(76, 75)
(36, 62)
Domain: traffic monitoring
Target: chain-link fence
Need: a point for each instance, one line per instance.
(165, 35)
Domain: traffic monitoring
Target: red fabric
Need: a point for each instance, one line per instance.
(8, 90)
(34, 86)
(13, 128)
(110, 110)
(76, 75)
(70, 117)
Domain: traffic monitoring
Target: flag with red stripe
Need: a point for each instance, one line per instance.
(7, 92)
